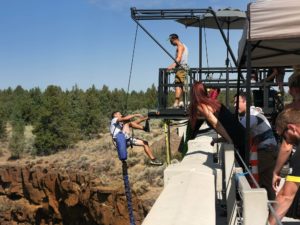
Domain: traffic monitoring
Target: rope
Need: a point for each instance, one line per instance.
(124, 164)
(131, 66)
(127, 192)
(206, 52)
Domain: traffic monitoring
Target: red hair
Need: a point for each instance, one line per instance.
(199, 96)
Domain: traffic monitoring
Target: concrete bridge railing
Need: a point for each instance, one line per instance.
(253, 202)
(189, 193)
(191, 190)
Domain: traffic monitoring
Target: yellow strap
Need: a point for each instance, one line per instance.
(293, 179)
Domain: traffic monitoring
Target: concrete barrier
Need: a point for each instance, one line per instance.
(189, 193)
(255, 207)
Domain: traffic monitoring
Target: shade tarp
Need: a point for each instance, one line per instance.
(228, 19)
(273, 30)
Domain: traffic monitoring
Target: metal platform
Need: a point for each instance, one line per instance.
(169, 113)
(213, 78)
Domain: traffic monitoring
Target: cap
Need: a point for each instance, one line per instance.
(173, 36)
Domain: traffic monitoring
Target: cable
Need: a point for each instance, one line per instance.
(206, 52)
(131, 66)
(124, 164)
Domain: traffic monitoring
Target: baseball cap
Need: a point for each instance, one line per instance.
(172, 36)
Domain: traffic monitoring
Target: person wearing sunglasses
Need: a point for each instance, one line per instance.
(288, 127)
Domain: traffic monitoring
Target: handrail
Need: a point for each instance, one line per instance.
(257, 186)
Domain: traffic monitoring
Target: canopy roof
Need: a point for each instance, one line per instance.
(273, 30)
(228, 19)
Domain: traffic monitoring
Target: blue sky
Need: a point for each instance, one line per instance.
(86, 42)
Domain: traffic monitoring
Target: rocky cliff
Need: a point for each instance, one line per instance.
(36, 195)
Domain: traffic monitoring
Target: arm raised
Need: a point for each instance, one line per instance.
(214, 122)
(128, 117)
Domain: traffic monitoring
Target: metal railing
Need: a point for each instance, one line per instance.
(213, 78)
(253, 200)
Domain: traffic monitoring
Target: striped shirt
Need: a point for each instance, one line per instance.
(260, 129)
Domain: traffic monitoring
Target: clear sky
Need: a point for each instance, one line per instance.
(86, 42)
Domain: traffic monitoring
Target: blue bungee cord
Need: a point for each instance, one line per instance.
(128, 192)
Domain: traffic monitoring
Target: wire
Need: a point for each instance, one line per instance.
(131, 66)
(206, 52)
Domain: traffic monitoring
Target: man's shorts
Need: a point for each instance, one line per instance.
(131, 141)
(180, 76)
(292, 179)
(294, 175)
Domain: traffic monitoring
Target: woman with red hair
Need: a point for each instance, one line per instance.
(217, 116)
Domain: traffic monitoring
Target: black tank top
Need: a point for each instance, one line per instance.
(233, 127)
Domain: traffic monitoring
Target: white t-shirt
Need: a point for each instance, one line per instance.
(184, 57)
(115, 127)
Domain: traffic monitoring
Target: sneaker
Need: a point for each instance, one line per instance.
(175, 106)
(155, 162)
(181, 104)
(147, 126)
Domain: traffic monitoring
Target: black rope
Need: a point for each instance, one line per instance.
(130, 72)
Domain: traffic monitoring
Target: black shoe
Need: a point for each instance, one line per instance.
(147, 126)
(155, 162)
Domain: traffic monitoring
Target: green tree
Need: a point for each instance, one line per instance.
(136, 100)
(22, 105)
(6, 99)
(150, 97)
(54, 130)
(35, 95)
(76, 102)
(17, 141)
(2, 124)
(92, 113)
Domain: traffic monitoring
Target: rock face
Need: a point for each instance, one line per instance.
(35, 195)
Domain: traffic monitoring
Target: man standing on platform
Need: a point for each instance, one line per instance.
(181, 66)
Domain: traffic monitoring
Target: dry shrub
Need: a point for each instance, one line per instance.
(104, 180)
(140, 187)
(40, 161)
(132, 153)
(156, 134)
(84, 165)
(107, 145)
(132, 161)
(149, 174)
(159, 182)
(105, 165)
(83, 158)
